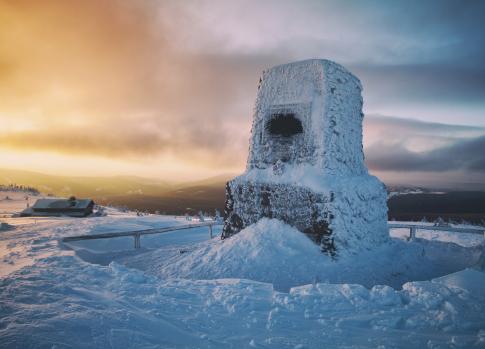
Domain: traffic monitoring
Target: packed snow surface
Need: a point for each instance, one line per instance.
(118, 297)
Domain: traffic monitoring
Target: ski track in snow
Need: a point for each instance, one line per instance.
(51, 298)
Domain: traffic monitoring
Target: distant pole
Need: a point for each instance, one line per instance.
(210, 230)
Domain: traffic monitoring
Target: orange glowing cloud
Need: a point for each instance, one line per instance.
(107, 79)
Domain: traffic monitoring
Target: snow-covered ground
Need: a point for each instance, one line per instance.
(15, 201)
(267, 287)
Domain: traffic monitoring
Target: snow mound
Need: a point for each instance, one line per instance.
(274, 252)
(267, 251)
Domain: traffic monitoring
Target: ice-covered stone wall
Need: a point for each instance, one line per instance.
(306, 163)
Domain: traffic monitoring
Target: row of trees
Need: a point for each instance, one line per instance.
(19, 188)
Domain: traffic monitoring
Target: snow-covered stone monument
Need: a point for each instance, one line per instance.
(306, 162)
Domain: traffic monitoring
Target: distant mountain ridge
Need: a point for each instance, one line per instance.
(208, 195)
(134, 192)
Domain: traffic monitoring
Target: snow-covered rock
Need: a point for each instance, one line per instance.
(306, 163)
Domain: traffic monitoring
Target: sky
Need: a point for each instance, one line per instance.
(166, 89)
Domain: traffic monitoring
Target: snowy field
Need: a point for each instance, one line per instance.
(14, 202)
(267, 287)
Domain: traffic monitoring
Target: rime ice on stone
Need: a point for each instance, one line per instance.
(306, 164)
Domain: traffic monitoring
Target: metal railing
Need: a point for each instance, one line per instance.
(413, 228)
(137, 234)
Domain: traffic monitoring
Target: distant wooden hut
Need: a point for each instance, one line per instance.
(60, 207)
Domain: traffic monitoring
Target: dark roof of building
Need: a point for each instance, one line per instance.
(61, 204)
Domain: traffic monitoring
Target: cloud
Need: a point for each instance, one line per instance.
(138, 141)
(465, 155)
(447, 147)
(412, 56)
(392, 130)
(400, 85)
(111, 79)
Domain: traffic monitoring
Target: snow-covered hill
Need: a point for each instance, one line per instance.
(183, 291)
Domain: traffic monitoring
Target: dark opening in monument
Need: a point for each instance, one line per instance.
(285, 125)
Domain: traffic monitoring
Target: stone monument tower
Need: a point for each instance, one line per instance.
(306, 163)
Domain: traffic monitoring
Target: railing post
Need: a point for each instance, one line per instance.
(412, 233)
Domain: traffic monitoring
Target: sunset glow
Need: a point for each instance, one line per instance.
(166, 89)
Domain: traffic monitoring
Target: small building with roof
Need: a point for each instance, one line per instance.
(72, 207)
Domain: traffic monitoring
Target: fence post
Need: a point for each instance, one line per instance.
(412, 233)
